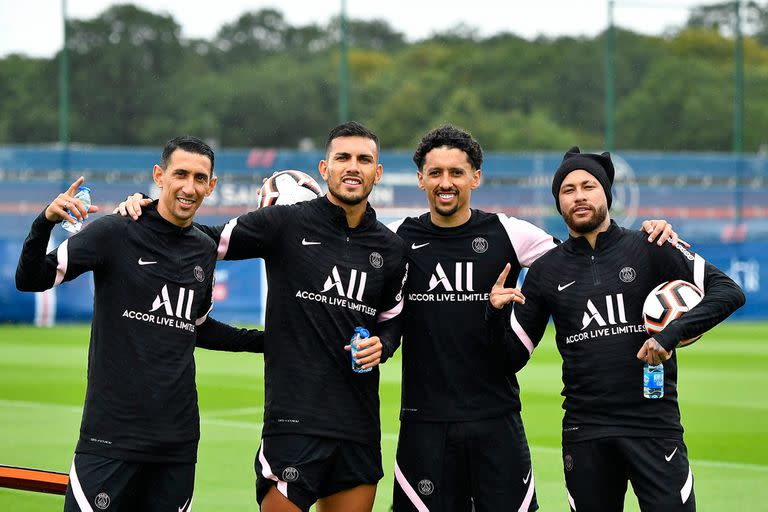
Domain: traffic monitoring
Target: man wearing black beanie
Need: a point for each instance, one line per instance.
(462, 443)
(594, 285)
(600, 166)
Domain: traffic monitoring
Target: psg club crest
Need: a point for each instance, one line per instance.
(290, 474)
(426, 487)
(102, 501)
(199, 274)
(376, 259)
(627, 274)
(479, 245)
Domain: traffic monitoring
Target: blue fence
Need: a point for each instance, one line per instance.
(717, 202)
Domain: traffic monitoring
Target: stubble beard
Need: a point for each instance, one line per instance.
(589, 225)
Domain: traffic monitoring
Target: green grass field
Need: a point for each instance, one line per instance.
(723, 387)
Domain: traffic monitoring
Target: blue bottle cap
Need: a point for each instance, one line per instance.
(83, 187)
(363, 332)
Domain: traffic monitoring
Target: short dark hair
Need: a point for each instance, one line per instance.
(187, 143)
(452, 137)
(351, 129)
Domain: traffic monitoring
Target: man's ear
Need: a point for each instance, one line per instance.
(157, 175)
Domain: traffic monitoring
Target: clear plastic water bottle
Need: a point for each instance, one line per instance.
(84, 195)
(360, 334)
(653, 380)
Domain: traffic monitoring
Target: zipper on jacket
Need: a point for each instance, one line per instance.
(595, 271)
(346, 246)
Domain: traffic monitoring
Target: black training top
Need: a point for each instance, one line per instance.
(595, 297)
(153, 289)
(324, 279)
(449, 373)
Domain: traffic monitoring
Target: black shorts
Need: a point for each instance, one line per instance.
(483, 466)
(98, 483)
(597, 471)
(307, 468)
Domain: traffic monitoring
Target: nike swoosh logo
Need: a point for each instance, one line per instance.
(186, 506)
(305, 242)
(527, 477)
(419, 246)
(562, 287)
(669, 457)
(142, 262)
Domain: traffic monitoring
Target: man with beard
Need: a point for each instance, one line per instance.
(462, 445)
(594, 285)
(331, 267)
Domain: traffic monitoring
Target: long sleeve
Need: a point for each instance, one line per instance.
(249, 236)
(37, 271)
(215, 335)
(722, 296)
(389, 327)
(515, 331)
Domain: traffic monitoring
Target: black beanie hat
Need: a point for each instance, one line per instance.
(599, 166)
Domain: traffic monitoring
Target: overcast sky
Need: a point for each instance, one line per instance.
(34, 28)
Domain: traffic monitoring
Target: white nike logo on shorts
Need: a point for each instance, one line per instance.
(669, 457)
(142, 262)
(419, 246)
(305, 242)
(562, 287)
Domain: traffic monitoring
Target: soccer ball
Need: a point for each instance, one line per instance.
(288, 187)
(667, 302)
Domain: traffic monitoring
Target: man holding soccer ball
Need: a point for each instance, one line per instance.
(331, 267)
(594, 285)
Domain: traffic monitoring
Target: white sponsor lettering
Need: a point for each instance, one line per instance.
(462, 278)
(593, 314)
(334, 281)
(163, 299)
(336, 301)
(604, 332)
(448, 297)
(159, 320)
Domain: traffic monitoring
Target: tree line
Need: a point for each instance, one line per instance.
(263, 82)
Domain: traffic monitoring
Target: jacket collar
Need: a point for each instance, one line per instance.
(338, 215)
(155, 221)
(580, 245)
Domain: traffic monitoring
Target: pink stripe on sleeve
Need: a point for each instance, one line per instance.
(521, 332)
(62, 256)
(392, 313)
(226, 235)
(529, 241)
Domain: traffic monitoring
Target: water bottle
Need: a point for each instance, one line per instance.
(653, 380)
(84, 195)
(360, 334)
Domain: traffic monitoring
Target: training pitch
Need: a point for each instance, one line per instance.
(723, 384)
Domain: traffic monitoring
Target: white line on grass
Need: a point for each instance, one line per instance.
(385, 436)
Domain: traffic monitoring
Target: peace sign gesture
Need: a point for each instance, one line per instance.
(66, 207)
(501, 296)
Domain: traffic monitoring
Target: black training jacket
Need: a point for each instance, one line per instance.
(153, 288)
(324, 279)
(595, 298)
(449, 373)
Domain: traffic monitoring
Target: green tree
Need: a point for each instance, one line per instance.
(28, 109)
(123, 67)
